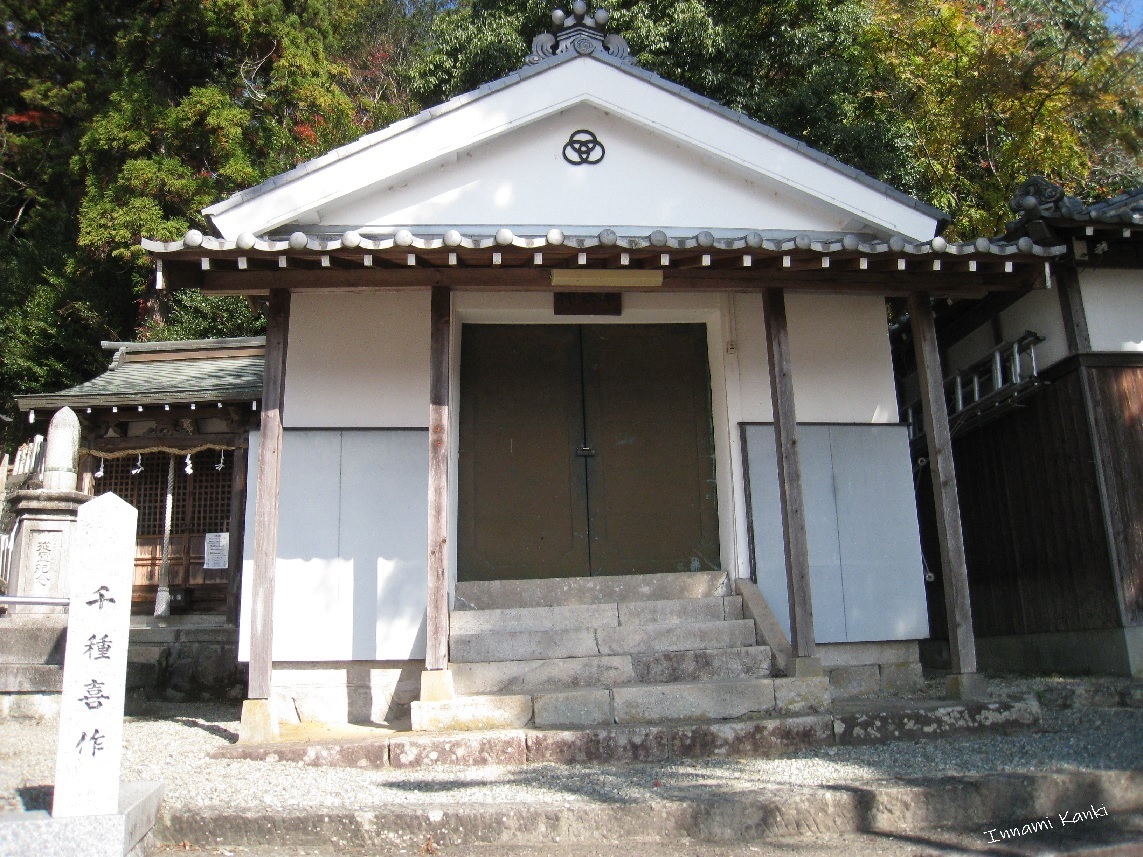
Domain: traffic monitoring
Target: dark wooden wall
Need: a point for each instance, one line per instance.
(1117, 398)
(1036, 545)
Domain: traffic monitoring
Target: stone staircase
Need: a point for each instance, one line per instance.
(625, 650)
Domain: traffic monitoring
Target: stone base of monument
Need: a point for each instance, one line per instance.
(31, 665)
(125, 834)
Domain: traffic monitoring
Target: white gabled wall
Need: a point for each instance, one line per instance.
(1113, 302)
(522, 180)
(414, 151)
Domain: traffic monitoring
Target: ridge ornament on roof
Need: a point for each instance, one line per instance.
(580, 33)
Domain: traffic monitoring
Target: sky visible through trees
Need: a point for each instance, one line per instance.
(122, 119)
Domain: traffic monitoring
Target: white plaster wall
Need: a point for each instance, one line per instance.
(358, 359)
(1113, 302)
(1038, 311)
(842, 366)
(522, 180)
(963, 354)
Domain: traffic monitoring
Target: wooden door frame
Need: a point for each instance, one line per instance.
(663, 308)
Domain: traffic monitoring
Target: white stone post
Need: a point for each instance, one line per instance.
(102, 565)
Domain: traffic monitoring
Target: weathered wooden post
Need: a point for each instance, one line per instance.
(805, 662)
(258, 720)
(964, 682)
(436, 680)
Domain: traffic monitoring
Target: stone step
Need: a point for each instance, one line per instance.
(554, 591)
(472, 713)
(533, 676)
(654, 703)
(588, 642)
(625, 705)
(611, 615)
(637, 639)
(703, 700)
(872, 722)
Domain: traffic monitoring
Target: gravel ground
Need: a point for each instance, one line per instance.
(172, 745)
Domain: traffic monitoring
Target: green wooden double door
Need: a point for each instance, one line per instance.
(585, 450)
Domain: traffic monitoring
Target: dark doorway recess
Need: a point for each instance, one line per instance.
(585, 450)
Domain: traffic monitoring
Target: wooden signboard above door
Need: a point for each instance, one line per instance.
(585, 450)
(588, 303)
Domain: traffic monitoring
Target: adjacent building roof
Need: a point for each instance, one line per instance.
(202, 371)
(1101, 234)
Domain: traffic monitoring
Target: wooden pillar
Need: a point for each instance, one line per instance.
(1071, 308)
(237, 530)
(789, 475)
(962, 644)
(266, 497)
(436, 647)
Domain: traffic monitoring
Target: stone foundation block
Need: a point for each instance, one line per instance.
(715, 700)
(600, 746)
(801, 695)
(32, 706)
(846, 682)
(901, 678)
(764, 738)
(498, 748)
(472, 713)
(31, 678)
(933, 721)
(586, 707)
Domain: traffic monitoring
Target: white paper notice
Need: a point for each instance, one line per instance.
(216, 550)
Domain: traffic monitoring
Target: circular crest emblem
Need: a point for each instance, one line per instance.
(583, 147)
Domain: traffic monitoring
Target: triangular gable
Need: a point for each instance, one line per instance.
(495, 157)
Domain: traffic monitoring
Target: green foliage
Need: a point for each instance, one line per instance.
(994, 92)
(193, 315)
(119, 120)
(802, 66)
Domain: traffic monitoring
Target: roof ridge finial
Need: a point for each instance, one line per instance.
(580, 33)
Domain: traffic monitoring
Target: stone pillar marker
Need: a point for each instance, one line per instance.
(95, 660)
(45, 518)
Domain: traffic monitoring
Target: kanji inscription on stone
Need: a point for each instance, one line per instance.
(102, 559)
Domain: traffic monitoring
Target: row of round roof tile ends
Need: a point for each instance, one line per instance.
(504, 237)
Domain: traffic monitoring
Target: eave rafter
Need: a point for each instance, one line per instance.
(505, 261)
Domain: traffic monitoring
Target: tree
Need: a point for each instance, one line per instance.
(996, 91)
(119, 120)
(802, 66)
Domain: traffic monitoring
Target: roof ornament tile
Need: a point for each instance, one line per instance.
(580, 33)
(1038, 196)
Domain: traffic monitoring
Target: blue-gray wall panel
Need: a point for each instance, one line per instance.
(877, 523)
(861, 521)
